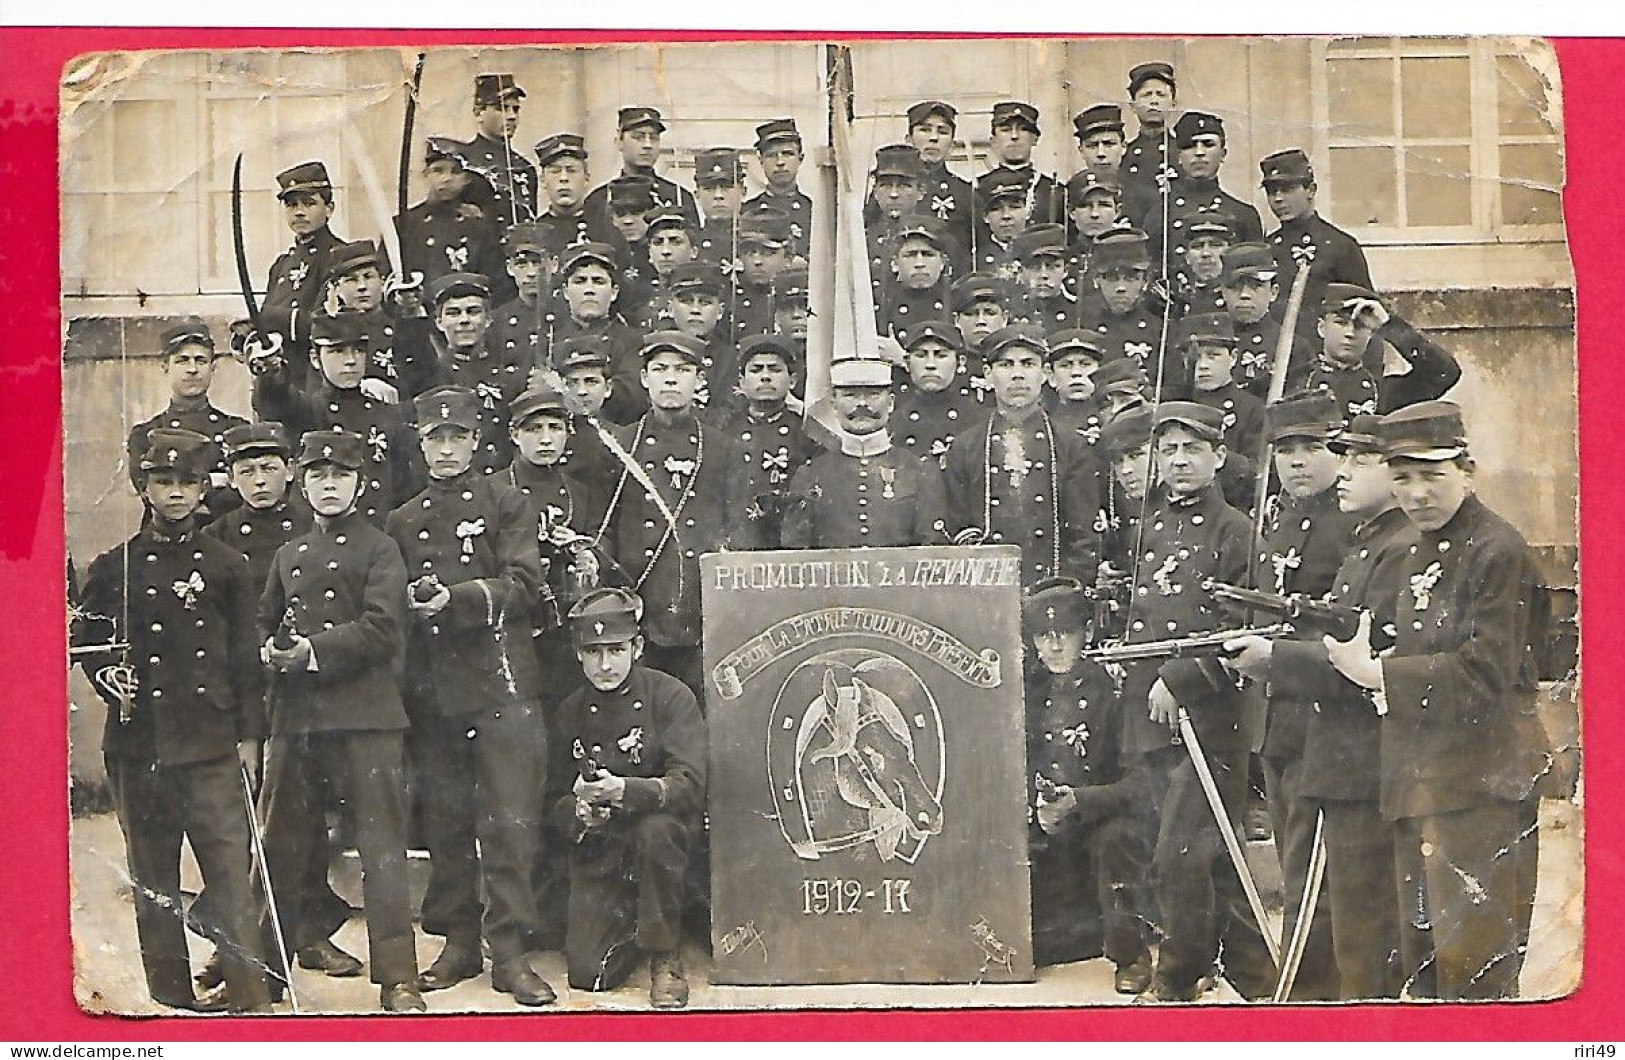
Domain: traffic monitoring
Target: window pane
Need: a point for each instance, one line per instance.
(1364, 186)
(145, 139)
(1438, 186)
(1520, 98)
(136, 226)
(1435, 98)
(1360, 98)
(1523, 165)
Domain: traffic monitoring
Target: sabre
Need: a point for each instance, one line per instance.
(406, 134)
(259, 347)
(1306, 911)
(401, 282)
(258, 843)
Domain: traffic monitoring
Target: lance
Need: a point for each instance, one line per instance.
(260, 346)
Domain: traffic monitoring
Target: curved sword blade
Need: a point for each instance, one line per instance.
(244, 282)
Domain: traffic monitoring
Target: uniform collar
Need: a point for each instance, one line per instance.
(525, 474)
(864, 445)
(455, 483)
(1463, 525)
(1201, 498)
(1386, 521)
(170, 533)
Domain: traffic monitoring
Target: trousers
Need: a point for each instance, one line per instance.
(627, 884)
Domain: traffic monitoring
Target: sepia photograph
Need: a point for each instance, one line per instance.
(945, 523)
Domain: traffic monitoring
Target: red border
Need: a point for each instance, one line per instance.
(35, 952)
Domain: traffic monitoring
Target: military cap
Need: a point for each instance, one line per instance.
(543, 397)
(632, 117)
(305, 177)
(1194, 123)
(560, 145)
(1087, 182)
(669, 217)
(605, 616)
(1346, 297)
(1247, 259)
(697, 275)
(1075, 340)
(252, 439)
(437, 148)
(940, 330)
(860, 371)
(177, 449)
(455, 405)
(782, 345)
(343, 448)
(1014, 110)
(192, 332)
(1128, 430)
(1205, 422)
(1213, 329)
(897, 160)
(791, 284)
(1210, 220)
(582, 351)
(1042, 240)
(348, 257)
(717, 165)
(1303, 414)
(630, 193)
(524, 238)
(1098, 118)
(1362, 435)
(925, 108)
(1122, 374)
(1054, 605)
(583, 253)
(922, 226)
(765, 227)
(1121, 246)
(678, 342)
(341, 329)
(778, 130)
(1427, 430)
(1028, 336)
(1001, 184)
(977, 287)
(1286, 167)
(491, 89)
(1138, 76)
(458, 285)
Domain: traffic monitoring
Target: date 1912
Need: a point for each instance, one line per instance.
(838, 897)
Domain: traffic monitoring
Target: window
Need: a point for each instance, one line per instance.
(1448, 139)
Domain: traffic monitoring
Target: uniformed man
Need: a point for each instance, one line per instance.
(631, 203)
(1349, 318)
(1074, 356)
(341, 351)
(1013, 133)
(462, 313)
(1092, 210)
(1125, 448)
(638, 138)
(585, 305)
(764, 252)
(916, 279)
(769, 441)
(697, 309)
(492, 154)
(944, 194)
(692, 467)
(1199, 264)
(779, 150)
(1189, 534)
(332, 629)
(1099, 132)
(1085, 840)
(936, 402)
(469, 542)
(1305, 239)
(1209, 343)
(174, 612)
(1249, 289)
(1014, 478)
(791, 306)
(1002, 211)
(719, 188)
(1120, 384)
(1148, 161)
(587, 386)
(1200, 145)
(188, 358)
(1120, 308)
(1461, 746)
(897, 192)
(516, 325)
(631, 804)
(672, 241)
(868, 492)
(402, 349)
(1041, 266)
(981, 306)
(298, 279)
(567, 220)
(446, 233)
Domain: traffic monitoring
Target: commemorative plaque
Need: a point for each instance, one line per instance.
(868, 818)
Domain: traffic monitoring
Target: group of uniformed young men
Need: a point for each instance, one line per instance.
(446, 583)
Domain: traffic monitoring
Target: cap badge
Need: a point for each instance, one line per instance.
(327, 450)
(445, 411)
(598, 629)
(174, 455)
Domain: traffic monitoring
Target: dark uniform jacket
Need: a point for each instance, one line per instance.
(1255, 353)
(769, 450)
(342, 585)
(1046, 200)
(294, 293)
(188, 618)
(751, 311)
(1332, 255)
(1243, 417)
(560, 231)
(649, 731)
(1137, 334)
(1074, 739)
(1118, 523)
(719, 243)
(1051, 314)
(403, 352)
(563, 507)
(478, 536)
(496, 377)
(516, 331)
(876, 494)
(441, 238)
(1185, 197)
(667, 194)
(1341, 757)
(695, 469)
(797, 205)
(926, 423)
(256, 533)
(510, 174)
(1040, 494)
(1145, 170)
(627, 400)
(899, 309)
(205, 420)
(1183, 542)
(1360, 388)
(1460, 729)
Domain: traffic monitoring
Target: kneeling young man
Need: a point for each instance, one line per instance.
(631, 806)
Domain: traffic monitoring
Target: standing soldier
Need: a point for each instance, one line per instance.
(446, 234)
(587, 386)
(1199, 262)
(1092, 211)
(401, 350)
(1210, 344)
(1002, 198)
(1099, 131)
(936, 403)
(469, 542)
(1247, 285)
(719, 188)
(631, 202)
(778, 149)
(1147, 165)
(868, 492)
(1305, 239)
(1350, 317)
(1461, 743)
(897, 194)
(1014, 478)
(1125, 445)
(1120, 309)
(516, 325)
(462, 313)
(945, 195)
(916, 278)
(1200, 147)
(764, 252)
(631, 805)
(175, 613)
(770, 443)
(332, 625)
(696, 309)
(792, 308)
(588, 292)
(1074, 356)
(672, 242)
(492, 154)
(1041, 265)
(566, 220)
(298, 280)
(638, 137)
(1014, 133)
